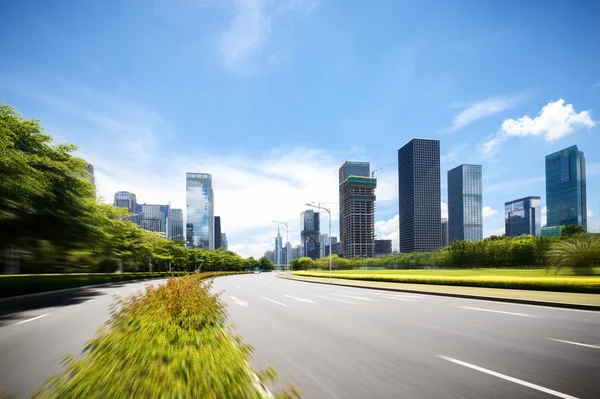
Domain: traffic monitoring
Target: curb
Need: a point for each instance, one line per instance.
(35, 295)
(564, 305)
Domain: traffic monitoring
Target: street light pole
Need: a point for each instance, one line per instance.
(287, 240)
(330, 249)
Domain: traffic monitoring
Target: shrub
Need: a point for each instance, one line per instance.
(580, 255)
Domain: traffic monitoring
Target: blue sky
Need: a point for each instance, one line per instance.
(272, 96)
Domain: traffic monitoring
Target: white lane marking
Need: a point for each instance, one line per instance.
(506, 377)
(300, 299)
(575, 343)
(89, 300)
(32, 319)
(238, 302)
(397, 298)
(362, 298)
(335, 299)
(271, 300)
(237, 286)
(497, 311)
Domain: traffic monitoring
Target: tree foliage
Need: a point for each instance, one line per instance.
(571, 230)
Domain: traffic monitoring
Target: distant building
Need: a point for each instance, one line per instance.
(176, 225)
(465, 204)
(523, 216)
(224, 242)
(334, 242)
(323, 241)
(383, 248)
(217, 227)
(310, 233)
(199, 211)
(565, 190)
(419, 195)
(155, 218)
(288, 253)
(297, 252)
(350, 168)
(358, 213)
(270, 255)
(125, 199)
(91, 177)
(279, 260)
(445, 240)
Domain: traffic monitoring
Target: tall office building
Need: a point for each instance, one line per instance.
(217, 225)
(419, 195)
(335, 245)
(125, 199)
(288, 253)
(350, 168)
(357, 194)
(523, 216)
(278, 249)
(565, 190)
(465, 207)
(383, 248)
(445, 240)
(90, 175)
(297, 252)
(176, 225)
(224, 242)
(310, 233)
(323, 242)
(199, 211)
(155, 218)
(270, 255)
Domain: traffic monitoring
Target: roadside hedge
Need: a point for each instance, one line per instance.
(589, 285)
(22, 284)
(170, 341)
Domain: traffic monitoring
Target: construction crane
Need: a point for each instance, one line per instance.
(380, 169)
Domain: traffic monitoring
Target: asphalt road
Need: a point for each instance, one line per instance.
(339, 342)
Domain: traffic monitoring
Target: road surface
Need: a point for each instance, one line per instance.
(340, 342)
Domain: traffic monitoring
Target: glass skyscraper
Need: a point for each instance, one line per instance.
(199, 211)
(419, 201)
(310, 233)
(523, 216)
(565, 190)
(217, 227)
(465, 219)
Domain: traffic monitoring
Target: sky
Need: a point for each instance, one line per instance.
(272, 96)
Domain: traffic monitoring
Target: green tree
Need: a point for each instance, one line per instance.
(266, 264)
(303, 263)
(571, 230)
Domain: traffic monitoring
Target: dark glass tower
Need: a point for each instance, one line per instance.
(419, 195)
(523, 216)
(565, 190)
(465, 219)
(350, 168)
(218, 232)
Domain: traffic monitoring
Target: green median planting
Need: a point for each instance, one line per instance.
(170, 341)
(522, 279)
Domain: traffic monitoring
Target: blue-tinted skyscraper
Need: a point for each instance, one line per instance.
(465, 219)
(419, 195)
(523, 216)
(199, 211)
(310, 233)
(565, 190)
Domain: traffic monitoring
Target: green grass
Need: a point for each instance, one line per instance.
(525, 279)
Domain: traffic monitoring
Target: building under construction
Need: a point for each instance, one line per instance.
(357, 209)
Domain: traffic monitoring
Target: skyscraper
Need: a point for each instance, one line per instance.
(445, 240)
(310, 233)
(217, 232)
(465, 218)
(350, 168)
(176, 225)
(565, 190)
(383, 248)
(155, 218)
(91, 177)
(125, 199)
(199, 211)
(278, 249)
(523, 216)
(224, 242)
(358, 216)
(288, 253)
(419, 195)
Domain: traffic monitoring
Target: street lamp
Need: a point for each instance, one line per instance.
(330, 249)
(287, 239)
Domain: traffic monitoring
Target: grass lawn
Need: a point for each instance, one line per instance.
(526, 279)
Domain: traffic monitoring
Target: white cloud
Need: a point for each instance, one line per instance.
(483, 108)
(589, 213)
(488, 211)
(249, 36)
(444, 210)
(544, 215)
(388, 230)
(556, 120)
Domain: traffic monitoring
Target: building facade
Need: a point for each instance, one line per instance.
(323, 242)
(310, 234)
(565, 190)
(217, 227)
(125, 199)
(155, 218)
(357, 194)
(224, 242)
(279, 259)
(350, 168)
(270, 255)
(176, 225)
(523, 216)
(465, 203)
(199, 211)
(445, 240)
(383, 248)
(90, 175)
(419, 195)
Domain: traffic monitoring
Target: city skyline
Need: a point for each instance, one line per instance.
(250, 104)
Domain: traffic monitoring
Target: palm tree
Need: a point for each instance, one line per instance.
(581, 255)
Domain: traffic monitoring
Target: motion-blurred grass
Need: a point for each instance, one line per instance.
(525, 279)
(170, 341)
